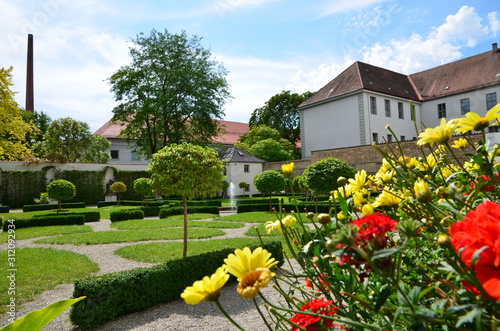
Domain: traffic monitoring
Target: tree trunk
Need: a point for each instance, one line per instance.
(184, 247)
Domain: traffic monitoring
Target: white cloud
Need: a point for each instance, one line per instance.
(494, 23)
(339, 6)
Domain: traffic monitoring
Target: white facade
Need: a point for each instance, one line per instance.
(237, 172)
(123, 153)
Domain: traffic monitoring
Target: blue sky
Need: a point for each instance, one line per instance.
(266, 45)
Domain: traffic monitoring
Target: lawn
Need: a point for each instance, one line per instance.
(46, 231)
(172, 223)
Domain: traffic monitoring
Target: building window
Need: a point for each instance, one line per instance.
(246, 168)
(247, 188)
(114, 154)
(403, 138)
(387, 108)
(492, 129)
(491, 100)
(412, 113)
(375, 137)
(441, 110)
(465, 106)
(373, 105)
(401, 112)
(389, 138)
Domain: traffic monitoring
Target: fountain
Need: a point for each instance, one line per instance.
(232, 208)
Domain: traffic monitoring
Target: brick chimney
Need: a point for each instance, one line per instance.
(495, 47)
(30, 102)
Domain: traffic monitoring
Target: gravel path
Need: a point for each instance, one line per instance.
(175, 315)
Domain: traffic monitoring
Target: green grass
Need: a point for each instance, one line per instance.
(199, 216)
(41, 269)
(163, 252)
(169, 223)
(255, 217)
(46, 231)
(108, 237)
(105, 211)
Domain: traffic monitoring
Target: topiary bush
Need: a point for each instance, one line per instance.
(61, 189)
(126, 214)
(321, 177)
(90, 216)
(42, 220)
(170, 211)
(118, 188)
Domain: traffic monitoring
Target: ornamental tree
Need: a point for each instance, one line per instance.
(188, 171)
(61, 189)
(321, 177)
(144, 187)
(118, 188)
(269, 181)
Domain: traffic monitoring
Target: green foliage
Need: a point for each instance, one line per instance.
(126, 214)
(321, 176)
(69, 140)
(143, 187)
(4, 209)
(280, 113)
(43, 220)
(118, 187)
(89, 215)
(90, 184)
(270, 150)
(14, 131)
(66, 205)
(44, 198)
(46, 231)
(269, 181)
(159, 105)
(116, 294)
(265, 143)
(20, 187)
(61, 189)
(170, 211)
(128, 178)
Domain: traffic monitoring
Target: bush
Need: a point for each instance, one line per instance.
(4, 209)
(116, 294)
(66, 205)
(89, 216)
(150, 210)
(216, 203)
(42, 220)
(126, 214)
(170, 211)
(158, 203)
(311, 207)
(256, 201)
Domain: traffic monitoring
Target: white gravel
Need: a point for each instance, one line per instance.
(175, 315)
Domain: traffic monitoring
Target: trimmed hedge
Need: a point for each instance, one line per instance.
(126, 214)
(311, 207)
(150, 211)
(170, 211)
(256, 201)
(119, 293)
(53, 206)
(90, 216)
(42, 220)
(4, 209)
(216, 203)
(151, 203)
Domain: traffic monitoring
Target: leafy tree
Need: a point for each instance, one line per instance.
(244, 186)
(14, 131)
(41, 120)
(268, 144)
(118, 188)
(61, 189)
(172, 92)
(280, 113)
(270, 150)
(188, 171)
(144, 187)
(269, 181)
(321, 176)
(69, 140)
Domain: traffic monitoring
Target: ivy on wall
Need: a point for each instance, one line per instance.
(20, 187)
(128, 178)
(89, 184)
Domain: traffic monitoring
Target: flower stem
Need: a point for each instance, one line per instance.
(223, 311)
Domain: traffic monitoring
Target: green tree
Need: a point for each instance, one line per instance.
(69, 140)
(61, 189)
(188, 171)
(118, 188)
(41, 120)
(321, 177)
(144, 187)
(14, 131)
(268, 144)
(172, 92)
(280, 113)
(269, 181)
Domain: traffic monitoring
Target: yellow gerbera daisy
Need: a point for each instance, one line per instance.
(206, 289)
(459, 143)
(387, 198)
(440, 134)
(287, 170)
(358, 182)
(252, 282)
(243, 261)
(474, 122)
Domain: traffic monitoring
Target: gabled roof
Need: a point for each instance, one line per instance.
(468, 74)
(233, 154)
(232, 131)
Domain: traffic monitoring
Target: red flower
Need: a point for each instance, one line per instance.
(311, 323)
(481, 230)
(373, 229)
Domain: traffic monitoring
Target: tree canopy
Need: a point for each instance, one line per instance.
(321, 176)
(265, 143)
(69, 140)
(280, 113)
(14, 131)
(61, 189)
(172, 92)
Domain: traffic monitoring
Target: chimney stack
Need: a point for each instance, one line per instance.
(30, 102)
(495, 47)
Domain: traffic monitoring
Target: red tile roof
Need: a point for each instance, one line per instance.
(468, 74)
(232, 131)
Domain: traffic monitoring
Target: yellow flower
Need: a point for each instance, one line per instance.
(243, 261)
(340, 216)
(360, 197)
(367, 209)
(387, 198)
(422, 191)
(287, 170)
(407, 161)
(459, 143)
(358, 182)
(206, 289)
(277, 225)
(252, 282)
(474, 122)
(440, 134)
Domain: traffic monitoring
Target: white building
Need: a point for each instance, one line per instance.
(356, 106)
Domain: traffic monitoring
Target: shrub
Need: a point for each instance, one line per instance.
(126, 214)
(89, 216)
(66, 205)
(42, 220)
(216, 203)
(310, 207)
(118, 188)
(256, 201)
(170, 211)
(150, 210)
(61, 189)
(116, 294)
(4, 209)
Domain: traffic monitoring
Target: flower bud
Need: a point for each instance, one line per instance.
(443, 240)
(422, 191)
(324, 219)
(341, 181)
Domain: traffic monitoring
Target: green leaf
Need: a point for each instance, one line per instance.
(469, 317)
(37, 319)
(385, 253)
(382, 298)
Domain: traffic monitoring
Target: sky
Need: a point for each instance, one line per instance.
(267, 46)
